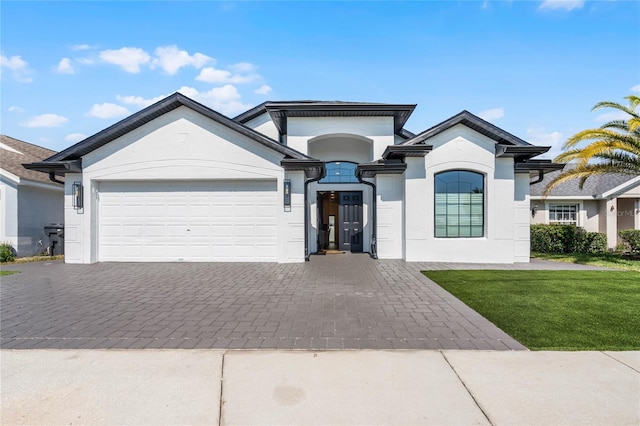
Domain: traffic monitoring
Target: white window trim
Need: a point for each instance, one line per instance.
(579, 212)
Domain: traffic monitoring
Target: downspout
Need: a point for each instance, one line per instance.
(52, 177)
(374, 214)
(540, 178)
(307, 212)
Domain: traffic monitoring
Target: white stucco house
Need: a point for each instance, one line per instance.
(29, 200)
(178, 181)
(607, 204)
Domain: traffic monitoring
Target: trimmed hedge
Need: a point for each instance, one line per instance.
(631, 238)
(566, 239)
(7, 253)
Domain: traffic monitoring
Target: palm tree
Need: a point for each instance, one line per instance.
(613, 148)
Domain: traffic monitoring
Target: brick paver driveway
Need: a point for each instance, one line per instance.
(332, 302)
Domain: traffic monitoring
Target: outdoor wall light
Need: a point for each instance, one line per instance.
(77, 195)
(287, 193)
(534, 210)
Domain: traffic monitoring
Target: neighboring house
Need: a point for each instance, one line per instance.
(178, 181)
(607, 203)
(29, 200)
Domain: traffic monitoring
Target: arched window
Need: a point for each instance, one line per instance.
(459, 204)
(340, 172)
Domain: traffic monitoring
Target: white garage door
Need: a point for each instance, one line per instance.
(188, 221)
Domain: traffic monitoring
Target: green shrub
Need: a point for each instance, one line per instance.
(631, 238)
(594, 243)
(7, 252)
(566, 239)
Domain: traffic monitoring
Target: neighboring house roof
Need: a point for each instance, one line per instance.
(597, 186)
(281, 110)
(14, 153)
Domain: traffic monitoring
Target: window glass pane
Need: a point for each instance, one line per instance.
(459, 204)
(340, 172)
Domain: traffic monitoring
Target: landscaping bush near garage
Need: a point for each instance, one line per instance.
(566, 239)
(7, 252)
(631, 239)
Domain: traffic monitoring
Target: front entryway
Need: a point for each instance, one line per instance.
(340, 221)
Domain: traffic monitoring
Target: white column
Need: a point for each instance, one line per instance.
(636, 217)
(611, 226)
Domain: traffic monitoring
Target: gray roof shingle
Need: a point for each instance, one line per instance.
(594, 186)
(29, 153)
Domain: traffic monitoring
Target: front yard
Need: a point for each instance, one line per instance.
(554, 310)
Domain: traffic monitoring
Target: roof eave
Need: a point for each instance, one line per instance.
(400, 152)
(60, 168)
(389, 167)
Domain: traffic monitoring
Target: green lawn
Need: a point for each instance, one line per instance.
(3, 273)
(554, 310)
(607, 260)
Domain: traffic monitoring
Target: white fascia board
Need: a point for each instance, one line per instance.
(562, 197)
(620, 189)
(33, 183)
(10, 176)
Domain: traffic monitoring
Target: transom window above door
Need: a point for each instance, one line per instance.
(340, 172)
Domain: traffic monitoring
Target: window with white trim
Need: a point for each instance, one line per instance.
(563, 213)
(459, 204)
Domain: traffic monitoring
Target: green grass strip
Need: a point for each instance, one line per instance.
(554, 310)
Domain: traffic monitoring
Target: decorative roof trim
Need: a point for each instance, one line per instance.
(57, 167)
(279, 111)
(313, 169)
(391, 167)
(473, 122)
(399, 152)
(520, 152)
(158, 109)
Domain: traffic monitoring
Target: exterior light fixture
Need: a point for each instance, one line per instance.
(287, 194)
(534, 210)
(77, 195)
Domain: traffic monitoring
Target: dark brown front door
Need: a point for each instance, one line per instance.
(350, 221)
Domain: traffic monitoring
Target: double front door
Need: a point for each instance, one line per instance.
(341, 216)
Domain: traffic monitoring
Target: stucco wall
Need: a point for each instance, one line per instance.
(9, 211)
(378, 129)
(460, 148)
(180, 145)
(264, 125)
(390, 196)
(38, 206)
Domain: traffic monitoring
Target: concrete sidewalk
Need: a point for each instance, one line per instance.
(307, 387)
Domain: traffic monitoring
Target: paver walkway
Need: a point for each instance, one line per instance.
(332, 302)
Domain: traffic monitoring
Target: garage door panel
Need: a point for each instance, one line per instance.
(188, 221)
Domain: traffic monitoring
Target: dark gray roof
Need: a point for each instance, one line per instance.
(280, 110)
(594, 186)
(473, 122)
(12, 161)
(156, 110)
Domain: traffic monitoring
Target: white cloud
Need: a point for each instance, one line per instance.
(263, 90)
(14, 108)
(77, 47)
(636, 88)
(217, 76)
(226, 99)
(491, 114)
(610, 116)
(18, 66)
(107, 110)
(567, 5)
(171, 59)
(242, 67)
(139, 101)
(65, 66)
(539, 136)
(45, 120)
(85, 61)
(75, 137)
(128, 58)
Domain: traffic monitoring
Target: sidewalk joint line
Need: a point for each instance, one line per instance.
(621, 362)
(475, 401)
(221, 388)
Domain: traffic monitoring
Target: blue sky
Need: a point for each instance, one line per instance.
(533, 68)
